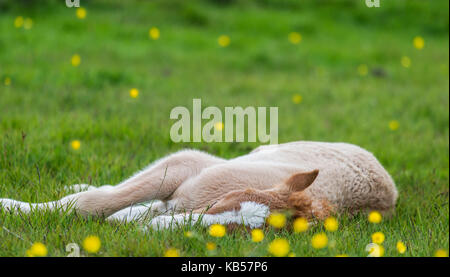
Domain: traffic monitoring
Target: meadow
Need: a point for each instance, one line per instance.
(106, 77)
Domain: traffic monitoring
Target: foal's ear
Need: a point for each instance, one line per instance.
(300, 181)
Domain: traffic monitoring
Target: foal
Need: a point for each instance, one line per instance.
(311, 178)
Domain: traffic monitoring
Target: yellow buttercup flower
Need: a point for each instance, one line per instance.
(401, 247)
(363, 70)
(394, 125)
(257, 235)
(211, 246)
(38, 249)
(75, 60)
(277, 220)
(217, 230)
(405, 61)
(297, 98)
(188, 234)
(91, 244)
(375, 250)
(172, 252)
(75, 144)
(419, 42)
(300, 225)
(440, 253)
(218, 126)
(154, 33)
(7, 81)
(224, 40)
(18, 22)
(378, 237)
(279, 247)
(375, 217)
(27, 23)
(331, 224)
(81, 13)
(319, 241)
(134, 93)
(295, 37)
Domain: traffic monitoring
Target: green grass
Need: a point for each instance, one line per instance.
(49, 103)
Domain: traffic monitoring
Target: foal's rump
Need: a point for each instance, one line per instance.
(350, 177)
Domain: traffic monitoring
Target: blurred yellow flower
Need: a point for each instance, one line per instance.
(211, 246)
(81, 12)
(154, 33)
(341, 255)
(297, 98)
(375, 250)
(378, 237)
(375, 217)
(217, 230)
(188, 234)
(440, 253)
(401, 247)
(277, 220)
(134, 93)
(219, 126)
(405, 61)
(295, 37)
(75, 60)
(7, 81)
(172, 252)
(419, 42)
(75, 144)
(394, 125)
(28, 23)
(331, 224)
(91, 244)
(18, 22)
(257, 235)
(38, 249)
(300, 225)
(279, 247)
(292, 254)
(224, 40)
(363, 70)
(319, 241)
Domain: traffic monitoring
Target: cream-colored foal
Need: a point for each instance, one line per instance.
(311, 178)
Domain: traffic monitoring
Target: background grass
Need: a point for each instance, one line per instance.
(49, 103)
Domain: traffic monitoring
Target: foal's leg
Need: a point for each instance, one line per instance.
(65, 202)
(214, 182)
(85, 187)
(138, 212)
(158, 181)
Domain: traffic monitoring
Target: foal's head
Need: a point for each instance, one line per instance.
(288, 195)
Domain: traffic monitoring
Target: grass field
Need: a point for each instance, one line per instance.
(356, 69)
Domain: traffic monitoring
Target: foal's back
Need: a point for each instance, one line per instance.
(349, 176)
